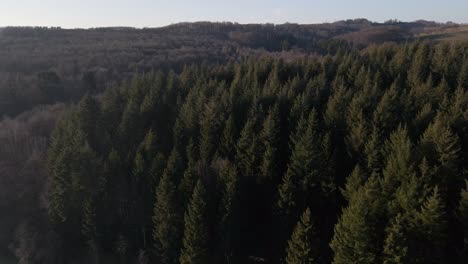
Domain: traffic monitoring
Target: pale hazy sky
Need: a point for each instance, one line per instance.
(153, 13)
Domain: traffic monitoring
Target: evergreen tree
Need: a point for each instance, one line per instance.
(189, 180)
(302, 247)
(358, 235)
(210, 125)
(228, 234)
(270, 138)
(294, 184)
(353, 182)
(247, 157)
(287, 204)
(336, 106)
(306, 179)
(418, 235)
(419, 69)
(388, 113)
(441, 147)
(358, 129)
(196, 239)
(143, 184)
(396, 244)
(228, 139)
(399, 165)
(373, 152)
(167, 220)
(431, 226)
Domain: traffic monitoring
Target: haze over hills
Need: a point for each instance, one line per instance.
(116, 53)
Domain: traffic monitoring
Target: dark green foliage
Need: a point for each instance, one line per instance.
(228, 231)
(190, 177)
(196, 241)
(210, 130)
(357, 238)
(167, 216)
(399, 164)
(353, 183)
(247, 150)
(396, 243)
(228, 139)
(431, 225)
(270, 139)
(373, 140)
(302, 247)
(418, 236)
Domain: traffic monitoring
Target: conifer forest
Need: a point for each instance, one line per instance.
(203, 143)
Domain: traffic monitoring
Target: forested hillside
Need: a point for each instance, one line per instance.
(299, 149)
(45, 65)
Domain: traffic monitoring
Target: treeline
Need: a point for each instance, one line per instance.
(47, 65)
(41, 65)
(360, 157)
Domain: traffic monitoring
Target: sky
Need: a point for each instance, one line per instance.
(155, 13)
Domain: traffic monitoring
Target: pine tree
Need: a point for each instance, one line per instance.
(399, 164)
(431, 226)
(210, 128)
(302, 247)
(306, 157)
(387, 114)
(357, 127)
(167, 220)
(196, 239)
(440, 145)
(419, 68)
(336, 106)
(409, 196)
(358, 233)
(175, 166)
(76, 173)
(270, 138)
(373, 153)
(353, 182)
(299, 108)
(305, 178)
(297, 132)
(442, 149)
(287, 204)
(189, 180)
(228, 234)
(396, 244)
(440, 60)
(228, 139)
(247, 157)
(418, 235)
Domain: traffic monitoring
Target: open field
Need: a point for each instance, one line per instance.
(452, 34)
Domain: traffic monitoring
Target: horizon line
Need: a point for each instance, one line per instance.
(231, 22)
